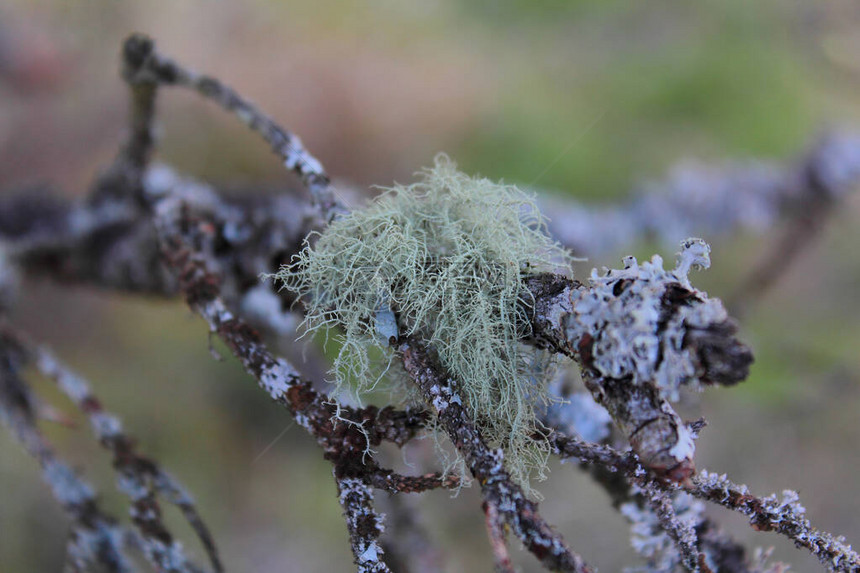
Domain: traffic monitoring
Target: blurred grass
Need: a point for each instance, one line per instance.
(722, 84)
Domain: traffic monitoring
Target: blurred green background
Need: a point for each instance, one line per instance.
(583, 97)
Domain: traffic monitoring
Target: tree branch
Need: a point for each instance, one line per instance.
(144, 65)
(486, 465)
(95, 538)
(784, 516)
(766, 514)
(364, 524)
(639, 334)
(139, 477)
(698, 199)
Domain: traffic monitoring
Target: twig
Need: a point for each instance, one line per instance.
(138, 149)
(498, 540)
(681, 532)
(112, 243)
(318, 414)
(828, 172)
(143, 64)
(139, 477)
(764, 275)
(766, 514)
(486, 465)
(785, 517)
(396, 483)
(702, 200)
(364, 524)
(627, 484)
(95, 538)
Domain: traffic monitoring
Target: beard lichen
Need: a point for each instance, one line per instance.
(443, 260)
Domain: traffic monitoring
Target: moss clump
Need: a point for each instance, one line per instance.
(447, 256)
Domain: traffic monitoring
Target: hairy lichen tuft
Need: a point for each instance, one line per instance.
(444, 260)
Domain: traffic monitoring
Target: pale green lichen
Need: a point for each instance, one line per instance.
(446, 256)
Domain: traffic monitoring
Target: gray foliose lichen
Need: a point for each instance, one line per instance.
(634, 336)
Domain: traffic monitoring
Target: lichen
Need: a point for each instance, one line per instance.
(624, 313)
(650, 539)
(579, 415)
(447, 257)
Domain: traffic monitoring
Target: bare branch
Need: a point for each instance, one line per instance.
(802, 229)
(498, 539)
(629, 487)
(396, 483)
(141, 140)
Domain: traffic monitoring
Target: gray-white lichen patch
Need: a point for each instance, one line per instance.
(68, 488)
(579, 415)
(442, 260)
(785, 515)
(364, 525)
(650, 539)
(634, 337)
(89, 546)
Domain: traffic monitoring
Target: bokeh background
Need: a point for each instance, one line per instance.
(585, 98)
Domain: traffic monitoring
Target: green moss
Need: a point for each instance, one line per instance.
(447, 255)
